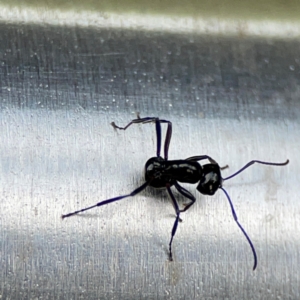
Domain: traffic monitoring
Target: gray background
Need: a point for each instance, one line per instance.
(235, 99)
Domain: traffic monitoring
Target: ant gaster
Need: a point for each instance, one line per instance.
(163, 173)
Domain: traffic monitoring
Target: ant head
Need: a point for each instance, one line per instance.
(211, 179)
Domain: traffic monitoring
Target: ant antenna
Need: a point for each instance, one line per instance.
(242, 229)
(258, 162)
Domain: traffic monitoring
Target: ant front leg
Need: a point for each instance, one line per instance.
(186, 194)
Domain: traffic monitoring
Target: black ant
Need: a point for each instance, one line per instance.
(163, 173)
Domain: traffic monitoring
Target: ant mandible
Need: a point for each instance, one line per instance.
(163, 173)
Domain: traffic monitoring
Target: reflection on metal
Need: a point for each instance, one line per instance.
(232, 99)
(289, 28)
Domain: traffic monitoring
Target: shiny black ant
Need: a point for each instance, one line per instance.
(163, 173)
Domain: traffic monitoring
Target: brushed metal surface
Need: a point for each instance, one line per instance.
(233, 99)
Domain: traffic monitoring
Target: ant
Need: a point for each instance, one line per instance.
(163, 173)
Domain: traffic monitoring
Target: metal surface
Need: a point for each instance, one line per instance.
(234, 99)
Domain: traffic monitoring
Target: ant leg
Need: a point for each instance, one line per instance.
(225, 167)
(174, 202)
(186, 194)
(211, 160)
(168, 138)
(158, 131)
(242, 229)
(158, 137)
(135, 121)
(258, 162)
(143, 121)
(136, 191)
(201, 157)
